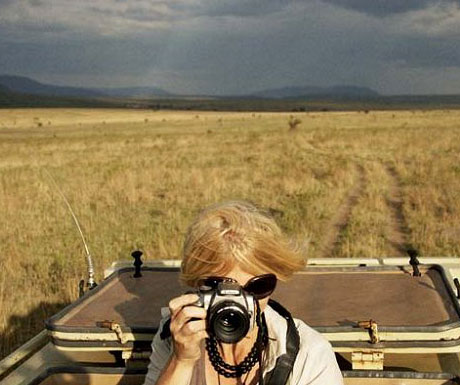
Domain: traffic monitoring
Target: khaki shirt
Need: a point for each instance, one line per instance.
(315, 363)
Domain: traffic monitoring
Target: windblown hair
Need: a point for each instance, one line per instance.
(233, 234)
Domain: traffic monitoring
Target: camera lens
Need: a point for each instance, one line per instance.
(229, 322)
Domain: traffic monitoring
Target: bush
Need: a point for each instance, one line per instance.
(293, 123)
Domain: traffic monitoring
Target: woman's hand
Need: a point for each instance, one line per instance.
(188, 327)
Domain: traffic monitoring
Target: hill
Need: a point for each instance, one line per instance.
(11, 99)
(25, 85)
(29, 86)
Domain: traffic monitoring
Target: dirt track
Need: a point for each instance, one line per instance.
(339, 223)
(398, 229)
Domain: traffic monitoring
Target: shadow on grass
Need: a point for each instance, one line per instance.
(21, 328)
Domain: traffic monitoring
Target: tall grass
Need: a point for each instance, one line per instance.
(136, 178)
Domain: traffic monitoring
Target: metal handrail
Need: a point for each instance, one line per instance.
(12, 361)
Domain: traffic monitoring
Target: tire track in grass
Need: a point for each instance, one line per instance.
(340, 222)
(399, 232)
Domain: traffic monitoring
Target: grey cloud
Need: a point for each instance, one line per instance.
(141, 15)
(104, 17)
(130, 13)
(442, 20)
(435, 53)
(116, 17)
(36, 3)
(242, 8)
(115, 56)
(385, 7)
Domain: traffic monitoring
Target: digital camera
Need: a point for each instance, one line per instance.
(231, 311)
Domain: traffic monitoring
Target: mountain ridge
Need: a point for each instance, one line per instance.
(26, 85)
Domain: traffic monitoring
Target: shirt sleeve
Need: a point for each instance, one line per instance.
(316, 363)
(161, 352)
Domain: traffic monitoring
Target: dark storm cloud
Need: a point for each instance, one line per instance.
(234, 46)
(385, 7)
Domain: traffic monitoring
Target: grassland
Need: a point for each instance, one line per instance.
(343, 184)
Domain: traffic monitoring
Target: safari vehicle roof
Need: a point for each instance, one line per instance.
(337, 299)
(373, 311)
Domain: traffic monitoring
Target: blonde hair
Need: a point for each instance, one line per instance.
(233, 234)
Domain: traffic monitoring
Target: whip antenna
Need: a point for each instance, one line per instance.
(91, 283)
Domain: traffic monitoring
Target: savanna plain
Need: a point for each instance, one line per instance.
(341, 184)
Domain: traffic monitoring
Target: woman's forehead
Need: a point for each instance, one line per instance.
(238, 274)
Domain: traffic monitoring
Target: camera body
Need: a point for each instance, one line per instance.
(230, 311)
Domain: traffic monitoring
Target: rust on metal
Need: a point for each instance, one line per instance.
(112, 325)
(372, 328)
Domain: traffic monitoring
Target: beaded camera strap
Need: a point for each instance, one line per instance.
(235, 371)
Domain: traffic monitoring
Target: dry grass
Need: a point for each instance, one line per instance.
(351, 184)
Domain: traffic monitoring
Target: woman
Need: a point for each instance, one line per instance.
(236, 243)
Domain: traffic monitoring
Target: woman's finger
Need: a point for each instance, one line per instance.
(191, 341)
(186, 314)
(176, 304)
(201, 335)
(193, 327)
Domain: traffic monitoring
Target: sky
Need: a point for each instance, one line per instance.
(218, 47)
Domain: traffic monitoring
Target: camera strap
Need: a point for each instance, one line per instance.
(285, 363)
(166, 331)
